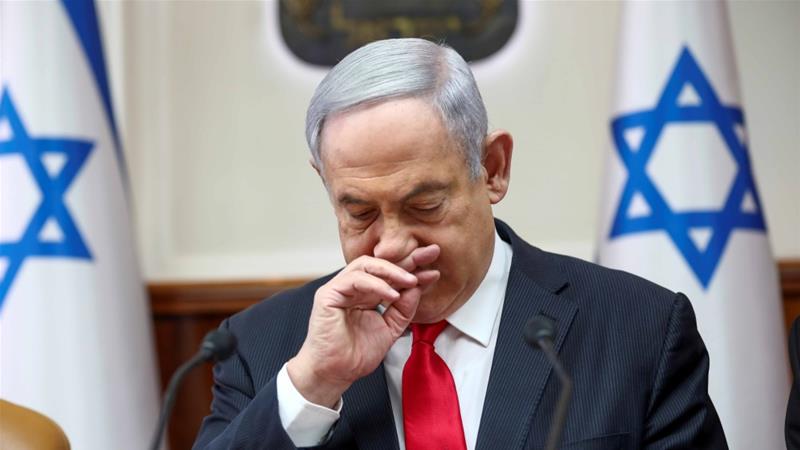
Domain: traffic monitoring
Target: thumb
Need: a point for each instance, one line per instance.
(400, 313)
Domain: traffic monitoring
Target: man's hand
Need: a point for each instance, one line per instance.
(347, 338)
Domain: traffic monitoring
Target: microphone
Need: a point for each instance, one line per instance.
(218, 345)
(540, 331)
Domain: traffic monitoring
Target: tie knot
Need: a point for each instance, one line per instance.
(427, 332)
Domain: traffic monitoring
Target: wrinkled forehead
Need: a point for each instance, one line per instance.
(388, 132)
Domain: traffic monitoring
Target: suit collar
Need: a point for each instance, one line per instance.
(519, 373)
(539, 266)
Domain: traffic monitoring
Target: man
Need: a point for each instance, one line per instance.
(417, 342)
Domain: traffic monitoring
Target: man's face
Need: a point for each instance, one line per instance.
(398, 182)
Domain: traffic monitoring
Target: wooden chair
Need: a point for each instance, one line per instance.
(24, 429)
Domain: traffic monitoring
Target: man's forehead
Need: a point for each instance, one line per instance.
(368, 132)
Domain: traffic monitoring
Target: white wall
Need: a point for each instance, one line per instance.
(212, 107)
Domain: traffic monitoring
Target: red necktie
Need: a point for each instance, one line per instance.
(431, 417)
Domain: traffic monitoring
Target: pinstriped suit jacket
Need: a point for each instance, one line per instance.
(639, 366)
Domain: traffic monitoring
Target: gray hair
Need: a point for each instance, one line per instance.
(398, 68)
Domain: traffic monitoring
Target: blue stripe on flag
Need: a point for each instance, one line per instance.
(83, 16)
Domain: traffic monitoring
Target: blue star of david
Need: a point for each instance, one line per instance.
(702, 261)
(52, 187)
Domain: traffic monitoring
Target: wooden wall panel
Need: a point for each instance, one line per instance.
(184, 312)
(790, 286)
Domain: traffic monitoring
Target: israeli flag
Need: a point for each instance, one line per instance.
(681, 207)
(75, 334)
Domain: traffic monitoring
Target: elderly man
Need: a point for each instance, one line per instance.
(417, 343)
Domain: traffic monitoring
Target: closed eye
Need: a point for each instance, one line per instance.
(426, 208)
(362, 215)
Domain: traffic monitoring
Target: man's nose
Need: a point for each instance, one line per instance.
(395, 241)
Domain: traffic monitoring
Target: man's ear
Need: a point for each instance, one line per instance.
(316, 168)
(498, 147)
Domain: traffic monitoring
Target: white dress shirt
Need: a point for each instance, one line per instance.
(467, 346)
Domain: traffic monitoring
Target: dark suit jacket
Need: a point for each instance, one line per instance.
(639, 366)
(793, 408)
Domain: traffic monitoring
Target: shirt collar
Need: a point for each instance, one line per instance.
(476, 317)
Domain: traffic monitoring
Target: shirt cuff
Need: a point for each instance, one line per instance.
(306, 423)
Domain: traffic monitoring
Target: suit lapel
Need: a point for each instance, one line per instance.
(519, 373)
(368, 412)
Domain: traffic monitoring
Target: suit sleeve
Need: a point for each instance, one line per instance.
(793, 407)
(680, 412)
(241, 418)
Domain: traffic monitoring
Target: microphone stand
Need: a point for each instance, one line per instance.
(172, 389)
(560, 413)
(218, 345)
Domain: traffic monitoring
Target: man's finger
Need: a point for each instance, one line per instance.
(381, 268)
(360, 290)
(426, 255)
(427, 277)
(399, 314)
(419, 257)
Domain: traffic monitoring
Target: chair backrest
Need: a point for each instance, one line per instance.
(25, 429)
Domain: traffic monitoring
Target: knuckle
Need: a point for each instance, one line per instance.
(362, 260)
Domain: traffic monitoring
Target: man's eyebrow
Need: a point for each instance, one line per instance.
(347, 199)
(426, 187)
(422, 188)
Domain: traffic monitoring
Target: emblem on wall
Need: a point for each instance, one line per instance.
(322, 32)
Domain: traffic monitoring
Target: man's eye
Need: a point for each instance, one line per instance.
(361, 215)
(427, 209)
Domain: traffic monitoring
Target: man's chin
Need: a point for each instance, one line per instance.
(426, 318)
(430, 310)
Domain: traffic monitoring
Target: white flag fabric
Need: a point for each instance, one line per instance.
(75, 335)
(680, 205)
